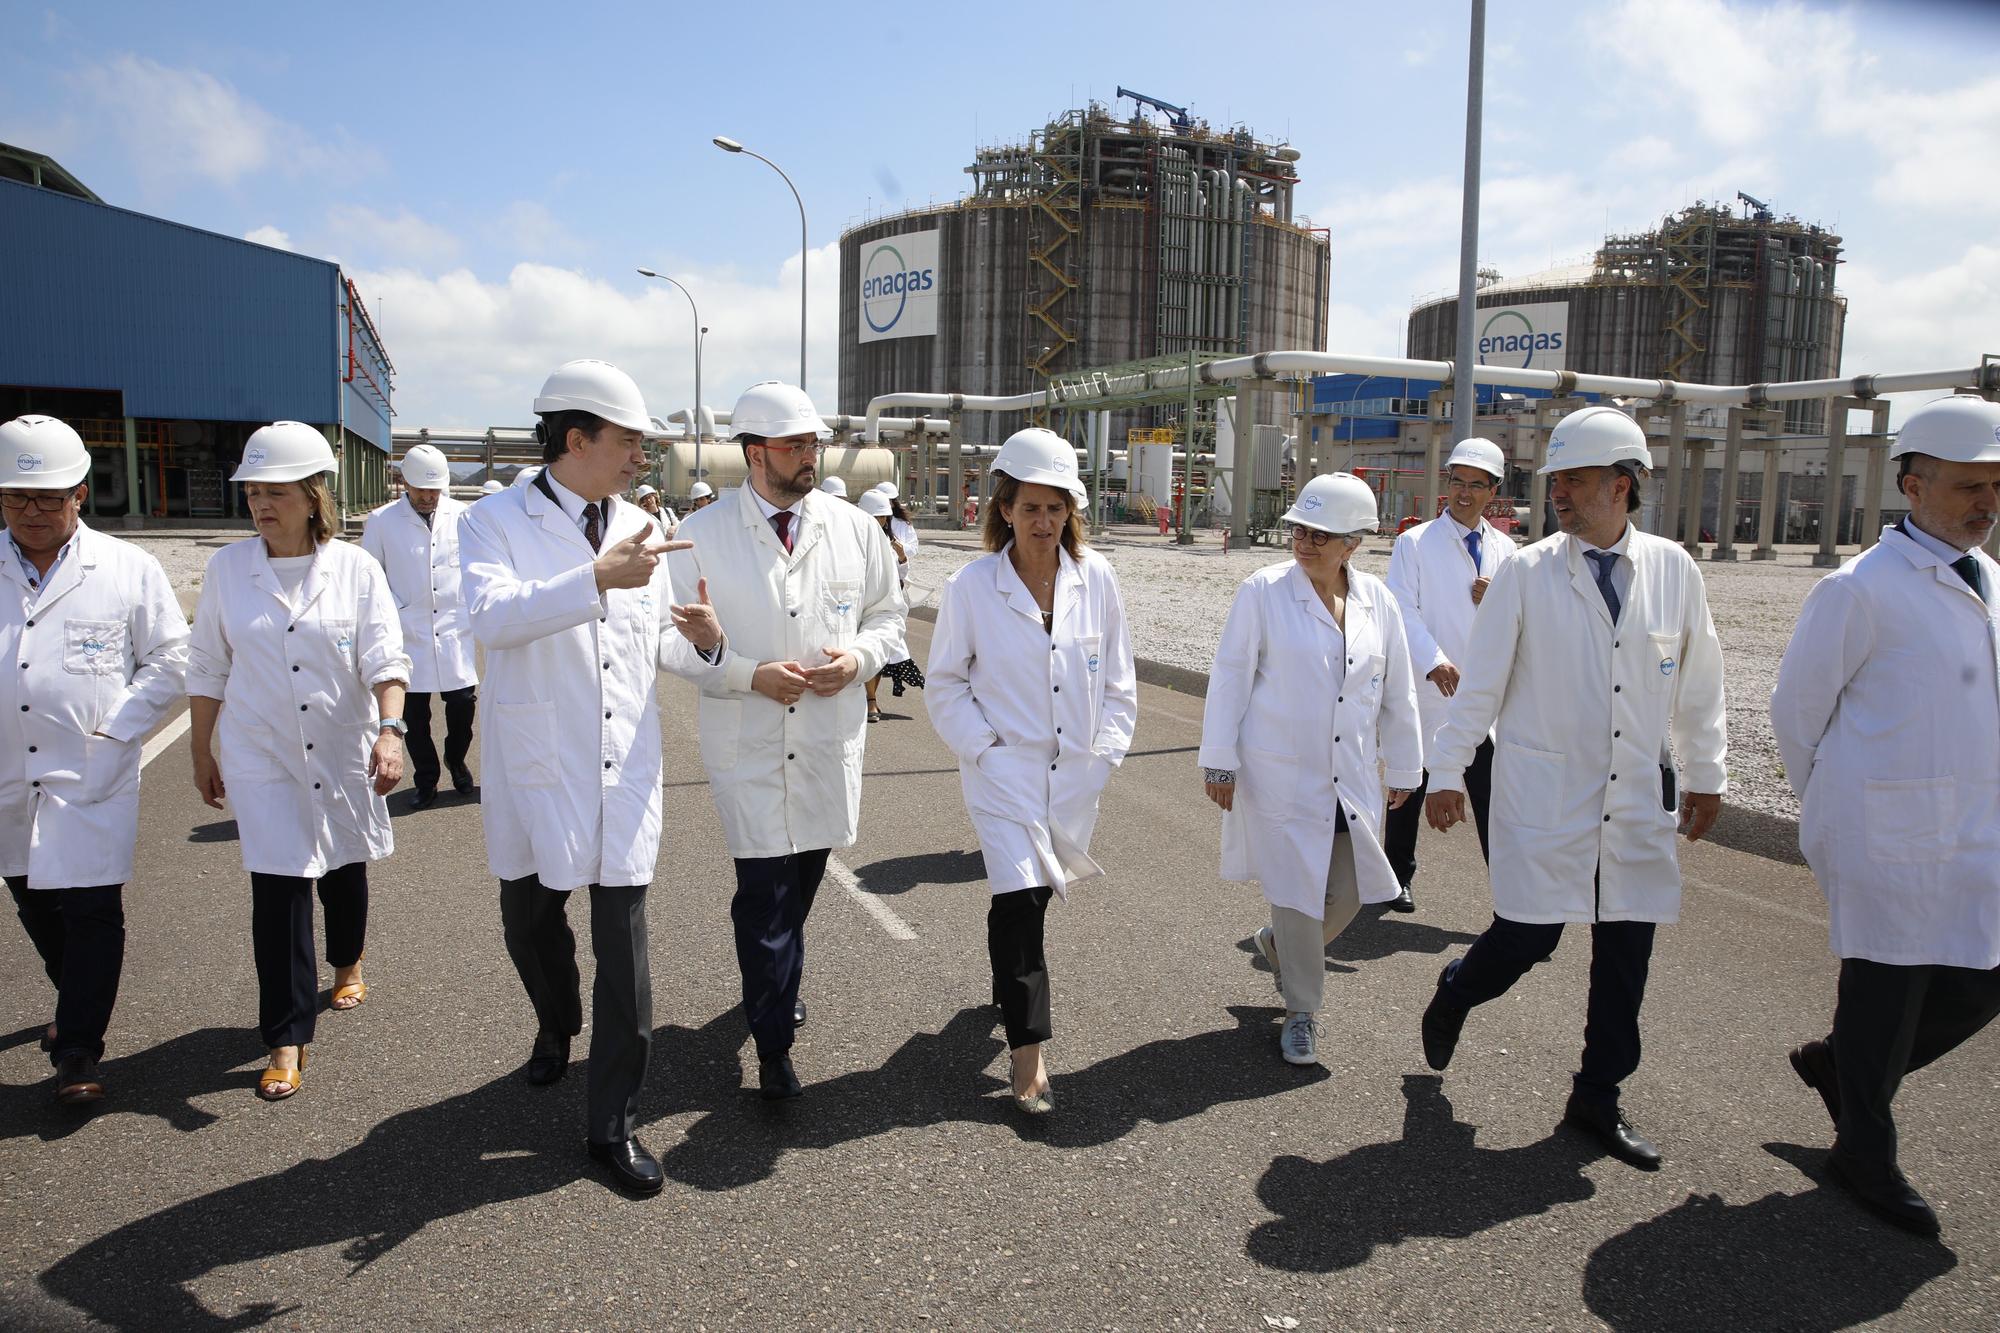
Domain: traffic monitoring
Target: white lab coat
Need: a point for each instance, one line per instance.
(101, 647)
(421, 560)
(1038, 719)
(1311, 721)
(787, 779)
(1887, 714)
(905, 532)
(1431, 574)
(1580, 712)
(570, 791)
(298, 709)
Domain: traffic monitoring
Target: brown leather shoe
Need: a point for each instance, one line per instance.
(77, 1081)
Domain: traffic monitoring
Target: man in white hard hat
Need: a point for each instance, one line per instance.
(415, 540)
(805, 591)
(1590, 648)
(491, 486)
(101, 650)
(567, 595)
(700, 496)
(835, 487)
(1439, 571)
(1886, 712)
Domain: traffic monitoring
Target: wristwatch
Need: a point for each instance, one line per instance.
(397, 725)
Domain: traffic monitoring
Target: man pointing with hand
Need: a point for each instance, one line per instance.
(805, 605)
(567, 595)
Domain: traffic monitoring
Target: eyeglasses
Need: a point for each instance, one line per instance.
(777, 448)
(46, 504)
(1316, 538)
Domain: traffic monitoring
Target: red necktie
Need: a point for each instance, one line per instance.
(782, 520)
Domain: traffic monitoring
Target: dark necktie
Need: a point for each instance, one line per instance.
(593, 526)
(1967, 568)
(782, 521)
(1472, 548)
(429, 514)
(1605, 562)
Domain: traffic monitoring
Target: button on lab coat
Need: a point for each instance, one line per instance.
(421, 560)
(1580, 711)
(1305, 715)
(1431, 574)
(1038, 719)
(1887, 714)
(102, 646)
(570, 786)
(298, 712)
(787, 778)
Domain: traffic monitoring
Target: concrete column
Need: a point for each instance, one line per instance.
(135, 500)
(956, 501)
(1243, 465)
(1538, 484)
(1670, 498)
(1433, 455)
(1732, 472)
(1767, 507)
(1827, 557)
(1871, 485)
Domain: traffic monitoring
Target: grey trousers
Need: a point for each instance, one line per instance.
(1302, 941)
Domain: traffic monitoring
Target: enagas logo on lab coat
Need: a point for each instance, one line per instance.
(92, 647)
(1667, 666)
(1093, 663)
(30, 462)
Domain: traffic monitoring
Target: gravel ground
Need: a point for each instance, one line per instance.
(1177, 597)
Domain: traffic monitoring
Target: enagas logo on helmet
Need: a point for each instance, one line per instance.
(30, 462)
(887, 283)
(253, 457)
(1059, 464)
(1310, 502)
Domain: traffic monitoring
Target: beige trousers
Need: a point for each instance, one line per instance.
(1302, 941)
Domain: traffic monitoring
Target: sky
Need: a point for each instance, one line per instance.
(491, 175)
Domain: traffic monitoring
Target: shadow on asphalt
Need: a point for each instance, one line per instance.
(941, 1078)
(162, 1081)
(1800, 1261)
(900, 874)
(1434, 1181)
(222, 830)
(1374, 935)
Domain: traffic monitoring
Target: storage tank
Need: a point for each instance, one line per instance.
(723, 467)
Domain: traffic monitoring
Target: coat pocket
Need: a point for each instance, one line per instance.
(108, 767)
(1911, 822)
(1271, 781)
(339, 635)
(94, 647)
(840, 609)
(533, 759)
(1663, 665)
(720, 723)
(1009, 782)
(1530, 783)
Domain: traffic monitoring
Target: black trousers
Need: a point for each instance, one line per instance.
(459, 706)
(1890, 1021)
(80, 934)
(281, 940)
(1399, 833)
(774, 895)
(1020, 968)
(1621, 953)
(535, 922)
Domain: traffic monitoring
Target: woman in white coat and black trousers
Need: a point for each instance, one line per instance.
(1311, 712)
(1031, 685)
(297, 668)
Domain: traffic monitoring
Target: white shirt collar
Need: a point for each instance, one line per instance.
(572, 503)
(795, 509)
(1943, 550)
(1617, 548)
(36, 579)
(1463, 531)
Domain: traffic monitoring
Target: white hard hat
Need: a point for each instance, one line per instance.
(596, 387)
(874, 504)
(834, 486)
(775, 410)
(284, 451)
(491, 486)
(423, 466)
(1040, 457)
(1957, 430)
(643, 491)
(700, 490)
(1482, 454)
(1337, 502)
(887, 488)
(41, 453)
(527, 475)
(1597, 437)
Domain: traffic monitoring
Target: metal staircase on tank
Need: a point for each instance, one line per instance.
(1688, 243)
(1055, 243)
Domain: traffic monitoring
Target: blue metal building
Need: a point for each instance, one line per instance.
(1373, 407)
(166, 346)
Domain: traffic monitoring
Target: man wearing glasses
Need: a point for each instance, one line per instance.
(791, 596)
(1439, 571)
(98, 650)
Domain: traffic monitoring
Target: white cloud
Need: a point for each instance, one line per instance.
(271, 236)
(471, 352)
(527, 227)
(1946, 316)
(181, 123)
(402, 241)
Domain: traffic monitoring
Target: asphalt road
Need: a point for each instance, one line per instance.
(1188, 1179)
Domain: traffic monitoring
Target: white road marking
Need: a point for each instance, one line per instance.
(897, 928)
(166, 736)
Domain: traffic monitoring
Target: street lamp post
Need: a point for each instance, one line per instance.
(699, 330)
(729, 145)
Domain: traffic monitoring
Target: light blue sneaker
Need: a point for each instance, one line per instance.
(1267, 944)
(1299, 1042)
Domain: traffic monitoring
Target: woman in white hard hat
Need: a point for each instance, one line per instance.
(647, 498)
(1311, 697)
(298, 653)
(700, 495)
(1032, 687)
(835, 487)
(906, 672)
(900, 526)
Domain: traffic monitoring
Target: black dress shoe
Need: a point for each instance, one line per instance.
(461, 778)
(1444, 1019)
(775, 1080)
(1813, 1062)
(1403, 902)
(77, 1080)
(1883, 1191)
(549, 1060)
(1607, 1124)
(799, 1014)
(633, 1168)
(425, 798)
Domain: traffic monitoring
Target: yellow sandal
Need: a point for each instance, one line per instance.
(354, 992)
(271, 1081)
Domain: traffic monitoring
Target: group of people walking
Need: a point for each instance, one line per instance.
(1566, 697)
